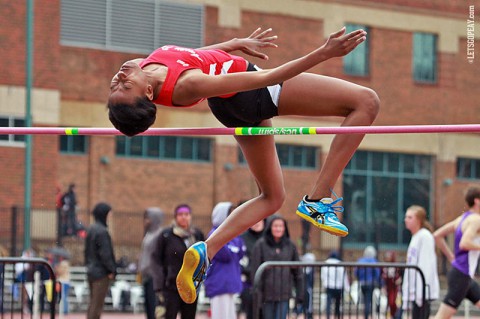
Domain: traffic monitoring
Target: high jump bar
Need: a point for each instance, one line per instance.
(194, 131)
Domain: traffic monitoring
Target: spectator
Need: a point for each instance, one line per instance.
(392, 279)
(308, 287)
(305, 236)
(276, 289)
(3, 253)
(249, 237)
(23, 275)
(335, 281)
(63, 276)
(152, 222)
(167, 260)
(224, 276)
(99, 260)
(464, 258)
(59, 210)
(421, 252)
(368, 278)
(69, 201)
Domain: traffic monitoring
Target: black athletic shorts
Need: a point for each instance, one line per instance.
(461, 286)
(246, 108)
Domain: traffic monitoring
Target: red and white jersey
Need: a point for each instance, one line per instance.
(178, 60)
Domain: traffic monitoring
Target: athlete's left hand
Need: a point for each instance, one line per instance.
(259, 39)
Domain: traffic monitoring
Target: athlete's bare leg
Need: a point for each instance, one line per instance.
(261, 156)
(326, 96)
(445, 311)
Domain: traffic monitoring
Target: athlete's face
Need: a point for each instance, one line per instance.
(129, 83)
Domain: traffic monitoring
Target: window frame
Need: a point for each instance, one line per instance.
(351, 65)
(13, 139)
(71, 142)
(473, 168)
(292, 156)
(399, 170)
(425, 58)
(169, 148)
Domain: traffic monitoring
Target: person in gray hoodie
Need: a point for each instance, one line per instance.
(99, 260)
(152, 223)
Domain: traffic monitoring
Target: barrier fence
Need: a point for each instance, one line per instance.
(29, 288)
(350, 289)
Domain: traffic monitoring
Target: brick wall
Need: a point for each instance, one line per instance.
(46, 48)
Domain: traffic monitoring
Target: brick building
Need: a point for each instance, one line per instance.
(415, 58)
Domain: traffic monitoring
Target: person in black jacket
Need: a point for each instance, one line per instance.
(277, 282)
(250, 237)
(99, 260)
(167, 260)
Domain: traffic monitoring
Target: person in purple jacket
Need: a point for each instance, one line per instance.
(224, 276)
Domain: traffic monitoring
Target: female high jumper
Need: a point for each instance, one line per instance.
(240, 94)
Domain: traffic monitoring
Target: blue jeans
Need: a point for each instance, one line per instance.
(275, 309)
(367, 292)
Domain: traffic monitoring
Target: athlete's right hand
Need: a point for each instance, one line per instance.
(257, 40)
(339, 44)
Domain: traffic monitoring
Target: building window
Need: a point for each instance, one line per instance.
(377, 189)
(130, 25)
(468, 168)
(76, 144)
(292, 156)
(165, 147)
(357, 62)
(424, 57)
(10, 121)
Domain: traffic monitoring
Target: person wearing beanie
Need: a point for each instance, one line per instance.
(224, 275)
(167, 257)
(99, 260)
(152, 222)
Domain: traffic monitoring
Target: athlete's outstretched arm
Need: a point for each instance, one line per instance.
(205, 86)
(440, 235)
(251, 45)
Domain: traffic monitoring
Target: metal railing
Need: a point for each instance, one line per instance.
(353, 298)
(29, 287)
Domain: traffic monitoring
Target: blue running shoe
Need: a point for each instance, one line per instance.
(193, 272)
(322, 215)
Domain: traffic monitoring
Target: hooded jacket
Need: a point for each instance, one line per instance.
(277, 283)
(224, 275)
(167, 257)
(99, 256)
(156, 217)
(249, 237)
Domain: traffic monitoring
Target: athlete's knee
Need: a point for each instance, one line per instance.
(275, 201)
(369, 103)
